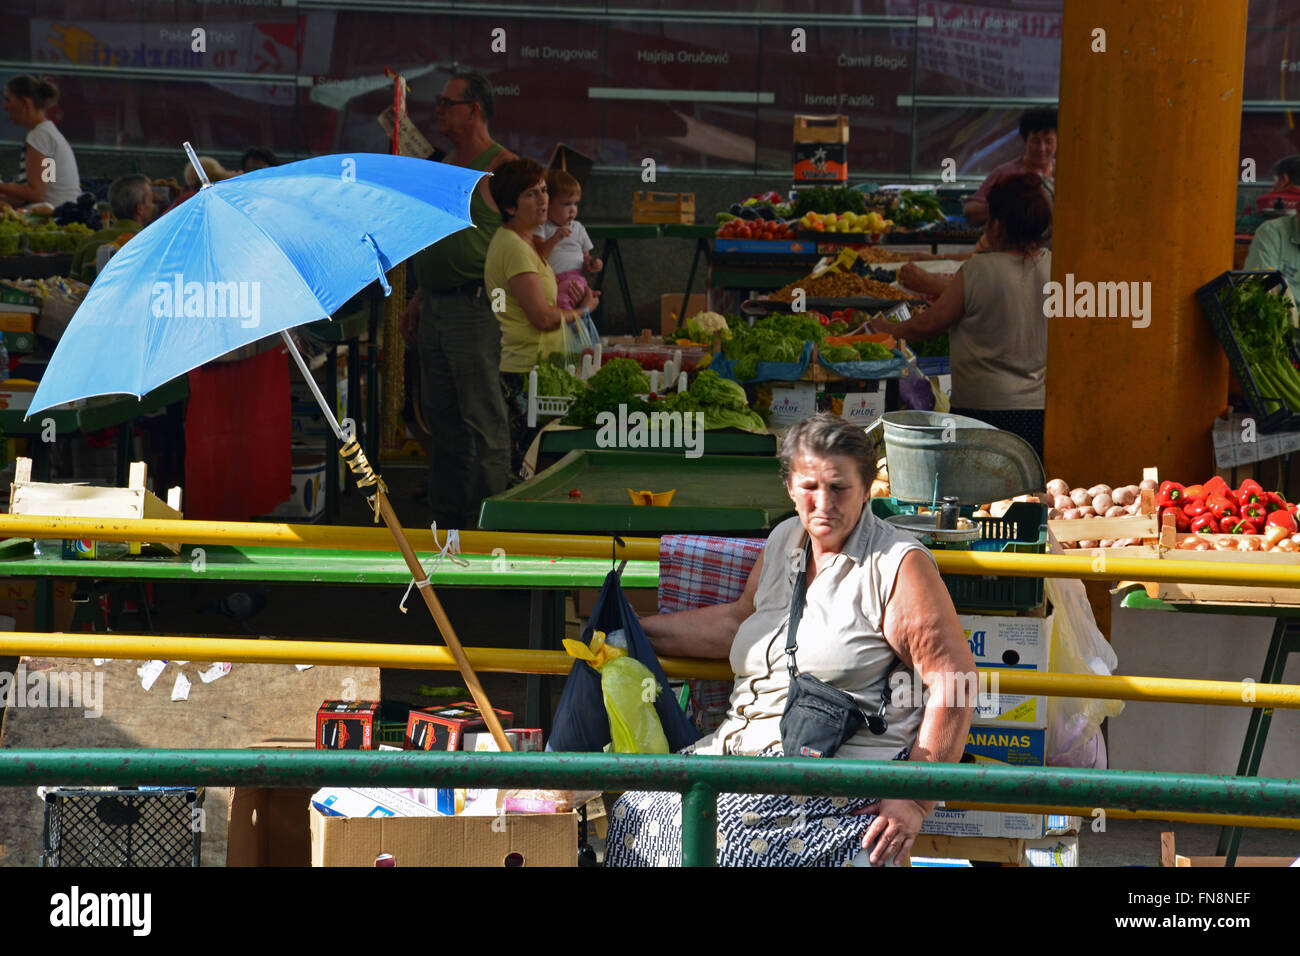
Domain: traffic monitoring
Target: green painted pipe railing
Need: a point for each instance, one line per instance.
(699, 779)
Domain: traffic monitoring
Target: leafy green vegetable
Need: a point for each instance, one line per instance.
(841, 353)
(746, 368)
(823, 199)
(872, 352)
(618, 382)
(801, 327)
(710, 388)
(1261, 321)
(553, 381)
(620, 374)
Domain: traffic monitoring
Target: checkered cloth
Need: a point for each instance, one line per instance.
(698, 571)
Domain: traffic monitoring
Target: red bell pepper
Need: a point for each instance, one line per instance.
(1169, 493)
(1239, 526)
(1205, 524)
(1254, 511)
(1194, 491)
(1221, 507)
(1250, 492)
(1195, 507)
(1216, 486)
(1283, 519)
(1181, 521)
(1276, 502)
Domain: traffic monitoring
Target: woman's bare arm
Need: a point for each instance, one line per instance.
(704, 632)
(527, 291)
(35, 188)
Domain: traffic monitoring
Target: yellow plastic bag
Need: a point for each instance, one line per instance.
(629, 690)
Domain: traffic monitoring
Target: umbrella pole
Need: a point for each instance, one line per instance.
(366, 477)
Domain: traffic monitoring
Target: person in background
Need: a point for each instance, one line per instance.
(131, 200)
(459, 339)
(49, 168)
(1038, 130)
(214, 171)
(1276, 246)
(257, 158)
(1286, 186)
(516, 266)
(565, 243)
(993, 312)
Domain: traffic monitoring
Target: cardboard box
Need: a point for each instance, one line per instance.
(990, 823)
(669, 305)
(522, 739)
(1007, 746)
(522, 839)
(347, 725)
(268, 826)
(791, 404)
(17, 321)
(1055, 851)
(645, 601)
(18, 601)
(16, 394)
(821, 148)
(441, 728)
(1020, 643)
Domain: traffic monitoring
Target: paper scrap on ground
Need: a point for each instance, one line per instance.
(178, 663)
(213, 671)
(101, 661)
(149, 672)
(181, 689)
(303, 667)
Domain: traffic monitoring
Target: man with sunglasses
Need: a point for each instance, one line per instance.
(459, 339)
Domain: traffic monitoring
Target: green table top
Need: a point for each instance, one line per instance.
(1137, 599)
(720, 494)
(679, 230)
(628, 230)
(98, 413)
(728, 441)
(329, 566)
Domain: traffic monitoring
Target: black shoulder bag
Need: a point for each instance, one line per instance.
(818, 718)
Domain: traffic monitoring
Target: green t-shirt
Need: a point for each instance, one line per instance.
(508, 256)
(83, 260)
(458, 259)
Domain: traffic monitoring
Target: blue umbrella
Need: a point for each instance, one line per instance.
(254, 256)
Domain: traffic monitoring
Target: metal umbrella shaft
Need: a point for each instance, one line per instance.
(385, 510)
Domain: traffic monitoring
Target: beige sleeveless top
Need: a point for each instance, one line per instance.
(840, 641)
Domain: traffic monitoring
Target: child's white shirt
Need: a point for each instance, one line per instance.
(567, 254)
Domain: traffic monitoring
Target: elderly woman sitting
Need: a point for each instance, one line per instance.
(874, 603)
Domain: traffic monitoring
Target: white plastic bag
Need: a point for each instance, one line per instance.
(1078, 647)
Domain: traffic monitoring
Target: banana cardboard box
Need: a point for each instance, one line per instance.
(1012, 643)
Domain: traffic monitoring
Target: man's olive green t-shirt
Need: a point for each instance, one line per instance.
(458, 259)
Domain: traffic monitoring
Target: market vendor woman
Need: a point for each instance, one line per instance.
(874, 606)
(993, 312)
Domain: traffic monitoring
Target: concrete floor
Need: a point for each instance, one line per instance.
(501, 621)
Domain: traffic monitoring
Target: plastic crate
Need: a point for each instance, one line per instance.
(1210, 298)
(116, 828)
(1022, 530)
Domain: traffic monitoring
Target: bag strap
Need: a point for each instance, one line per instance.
(797, 601)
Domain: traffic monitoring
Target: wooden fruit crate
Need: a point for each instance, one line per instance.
(652, 207)
(1170, 857)
(27, 497)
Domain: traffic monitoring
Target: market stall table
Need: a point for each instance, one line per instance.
(714, 494)
(35, 265)
(613, 257)
(1285, 642)
(557, 442)
(548, 579)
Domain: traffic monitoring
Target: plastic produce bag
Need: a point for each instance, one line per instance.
(564, 346)
(581, 722)
(1078, 647)
(629, 690)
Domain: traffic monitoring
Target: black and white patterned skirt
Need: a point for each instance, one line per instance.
(645, 828)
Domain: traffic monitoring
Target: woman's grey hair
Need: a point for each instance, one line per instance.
(478, 88)
(825, 435)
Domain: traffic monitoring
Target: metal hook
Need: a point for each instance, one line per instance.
(614, 543)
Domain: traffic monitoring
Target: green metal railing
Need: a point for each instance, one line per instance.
(699, 779)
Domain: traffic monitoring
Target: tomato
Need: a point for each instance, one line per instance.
(823, 319)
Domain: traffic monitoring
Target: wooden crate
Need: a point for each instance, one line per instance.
(1170, 857)
(652, 207)
(27, 497)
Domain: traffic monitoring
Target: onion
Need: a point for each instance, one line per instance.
(1088, 544)
(1190, 542)
(1225, 544)
(1149, 483)
(1274, 533)
(1122, 496)
(1069, 514)
(1286, 544)
(1107, 543)
(1096, 490)
(1081, 497)
(1061, 502)
(1250, 543)
(1057, 487)
(1206, 546)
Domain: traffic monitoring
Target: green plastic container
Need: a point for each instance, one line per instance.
(1022, 530)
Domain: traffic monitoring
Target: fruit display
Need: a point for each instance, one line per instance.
(19, 233)
(839, 285)
(825, 200)
(913, 209)
(1209, 516)
(954, 229)
(755, 229)
(858, 223)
